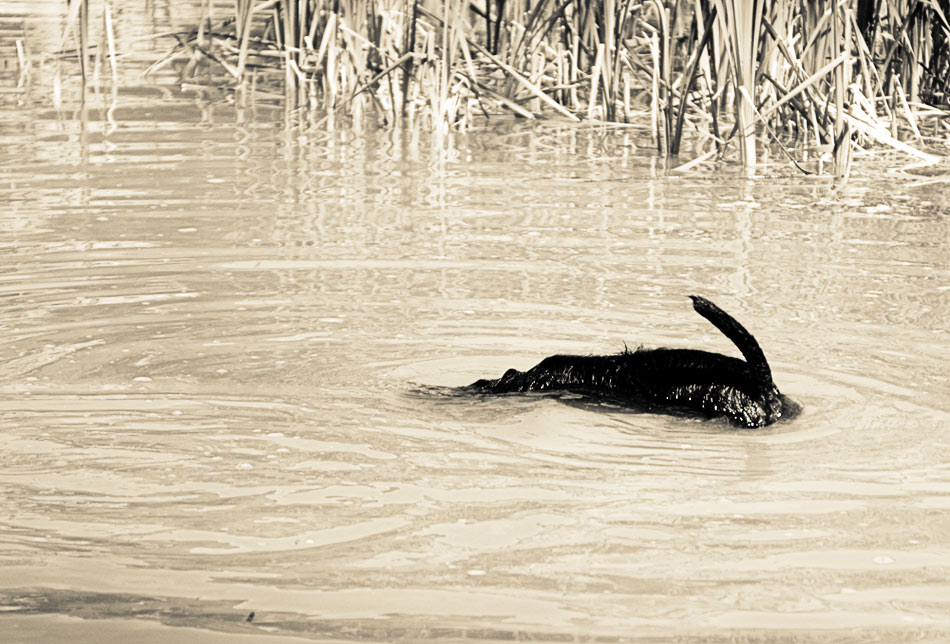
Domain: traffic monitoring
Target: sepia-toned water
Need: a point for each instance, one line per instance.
(229, 342)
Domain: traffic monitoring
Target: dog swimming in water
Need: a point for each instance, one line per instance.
(667, 380)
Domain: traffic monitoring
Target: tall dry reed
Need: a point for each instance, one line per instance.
(815, 79)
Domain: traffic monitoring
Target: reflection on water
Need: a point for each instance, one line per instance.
(227, 345)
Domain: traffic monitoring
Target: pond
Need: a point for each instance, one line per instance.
(230, 341)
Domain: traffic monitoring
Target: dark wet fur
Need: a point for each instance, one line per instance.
(667, 380)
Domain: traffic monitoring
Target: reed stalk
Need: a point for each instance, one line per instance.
(741, 23)
(841, 21)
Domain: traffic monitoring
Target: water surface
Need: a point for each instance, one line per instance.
(228, 340)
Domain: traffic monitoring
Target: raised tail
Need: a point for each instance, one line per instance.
(740, 337)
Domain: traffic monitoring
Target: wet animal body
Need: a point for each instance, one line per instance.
(667, 380)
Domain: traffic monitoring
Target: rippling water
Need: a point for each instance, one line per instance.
(228, 342)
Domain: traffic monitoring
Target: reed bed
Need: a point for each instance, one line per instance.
(816, 80)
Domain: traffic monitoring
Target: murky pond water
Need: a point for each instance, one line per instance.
(228, 338)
